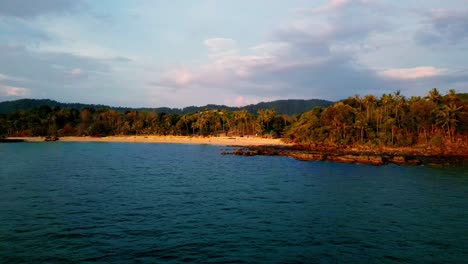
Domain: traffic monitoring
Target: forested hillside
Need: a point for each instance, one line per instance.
(390, 120)
(287, 107)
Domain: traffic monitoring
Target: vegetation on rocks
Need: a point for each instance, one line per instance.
(392, 120)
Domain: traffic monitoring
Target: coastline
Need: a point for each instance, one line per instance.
(253, 146)
(385, 156)
(221, 141)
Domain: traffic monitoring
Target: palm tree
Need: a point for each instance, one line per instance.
(200, 123)
(361, 124)
(264, 118)
(448, 118)
(400, 103)
(434, 96)
(338, 118)
(370, 101)
(225, 119)
(183, 124)
(241, 119)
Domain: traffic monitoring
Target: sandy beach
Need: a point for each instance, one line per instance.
(222, 141)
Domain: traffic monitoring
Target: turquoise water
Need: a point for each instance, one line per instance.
(137, 203)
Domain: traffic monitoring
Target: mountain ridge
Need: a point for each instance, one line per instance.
(286, 106)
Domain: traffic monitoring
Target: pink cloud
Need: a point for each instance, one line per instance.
(13, 91)
(177, 78)
(412, 73)
(77, 72)
(333, 5)
(239, 101)
(225, 65)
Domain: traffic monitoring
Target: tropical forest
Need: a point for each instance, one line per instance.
(389, 120)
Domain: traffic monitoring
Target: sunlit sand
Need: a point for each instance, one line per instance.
(223, 141)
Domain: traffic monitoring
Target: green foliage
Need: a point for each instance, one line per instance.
(390, 120)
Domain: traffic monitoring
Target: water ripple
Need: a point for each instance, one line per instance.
(132, 203)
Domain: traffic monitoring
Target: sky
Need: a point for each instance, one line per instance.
(155, 53)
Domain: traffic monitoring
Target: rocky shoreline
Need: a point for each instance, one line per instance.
(351, 156)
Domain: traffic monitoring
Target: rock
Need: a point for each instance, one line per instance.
(398, 160)
(413, 162)
(403, 160)
(362, 159)
(349, 156)
(238, 152)
(374, 160)
(341, 158)
(306, 156)
(435, 165)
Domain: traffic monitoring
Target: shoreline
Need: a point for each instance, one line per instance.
(219, 141)
(402, 156)
(253, 146)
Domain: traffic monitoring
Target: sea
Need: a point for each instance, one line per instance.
(63, 202)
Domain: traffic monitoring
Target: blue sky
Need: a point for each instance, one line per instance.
(180, 53)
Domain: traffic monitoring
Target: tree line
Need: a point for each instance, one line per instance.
(390, 120)
(289, 107)
(47, 121)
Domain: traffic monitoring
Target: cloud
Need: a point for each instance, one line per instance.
(3, 77)
(17, 60)
(11, 91)
(334, 5)
(315, 54)
(20, 31)
(321, 33)
(443, 26)
(330, 50)
(298, 60)
(27, 8)
(10, 78)
(412, 73)
(271, 49)
(241, 101)
(121, 59)
(217, 45)
(445, 80)
(50, 74)
(78, 73)
(175, 78)
(275, 73)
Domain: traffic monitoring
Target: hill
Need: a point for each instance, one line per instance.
(288, 107)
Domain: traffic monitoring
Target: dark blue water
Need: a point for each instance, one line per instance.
(137, 203)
